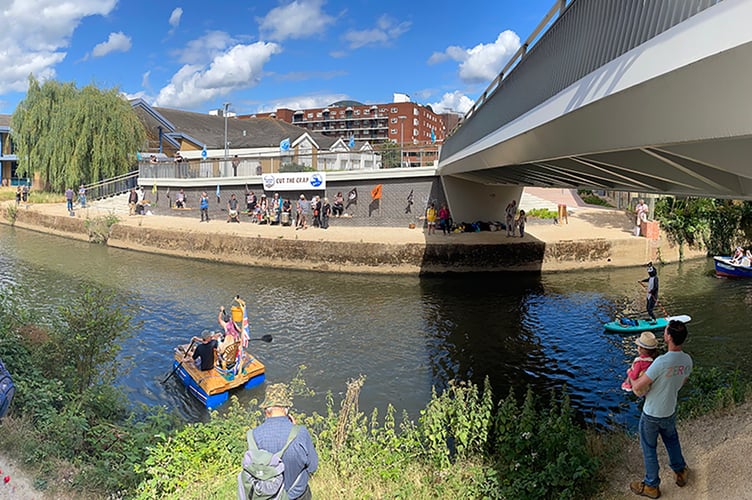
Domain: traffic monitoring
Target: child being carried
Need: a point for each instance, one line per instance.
(647, 346)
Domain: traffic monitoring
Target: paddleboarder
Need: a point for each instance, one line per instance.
(652, 290)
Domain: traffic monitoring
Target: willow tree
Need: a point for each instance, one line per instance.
(71, 136)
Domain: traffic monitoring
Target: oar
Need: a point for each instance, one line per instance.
(181, 362)
(657, 302)
(265, 338)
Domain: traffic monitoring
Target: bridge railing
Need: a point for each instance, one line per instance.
(111, 187)
(586, 35)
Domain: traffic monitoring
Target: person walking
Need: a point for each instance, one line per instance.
(652, 290)
(662, 381)
(203, 206)
(300, 458)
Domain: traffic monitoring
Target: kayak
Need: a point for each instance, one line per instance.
(627, 325)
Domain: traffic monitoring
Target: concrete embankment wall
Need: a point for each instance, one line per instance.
(356, 256)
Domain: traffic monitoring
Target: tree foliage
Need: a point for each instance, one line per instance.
(390, 154)
(715, 224)
(71, 136)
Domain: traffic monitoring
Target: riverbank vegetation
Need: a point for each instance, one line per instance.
(716, 225)
(83, 437)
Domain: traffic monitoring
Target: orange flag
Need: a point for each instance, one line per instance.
(376, 192)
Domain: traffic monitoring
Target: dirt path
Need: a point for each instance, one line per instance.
(717, 449)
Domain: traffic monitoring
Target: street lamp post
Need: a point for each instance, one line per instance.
(227, 106)
(402, 137)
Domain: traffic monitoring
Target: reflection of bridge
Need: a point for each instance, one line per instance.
(618, 95)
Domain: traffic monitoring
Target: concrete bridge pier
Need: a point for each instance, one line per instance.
(472, 201)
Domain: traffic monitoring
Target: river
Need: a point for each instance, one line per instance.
(405, 334)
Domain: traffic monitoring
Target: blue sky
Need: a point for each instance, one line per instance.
(262, 55)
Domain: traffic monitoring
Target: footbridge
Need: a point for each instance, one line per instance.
(627, 95)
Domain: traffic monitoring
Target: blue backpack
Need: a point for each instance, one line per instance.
(7, 389)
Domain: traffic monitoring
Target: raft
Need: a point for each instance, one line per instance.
(212, 387)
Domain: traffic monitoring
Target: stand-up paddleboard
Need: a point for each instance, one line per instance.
(627, 325)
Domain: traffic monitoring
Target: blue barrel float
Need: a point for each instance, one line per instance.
(7, 389)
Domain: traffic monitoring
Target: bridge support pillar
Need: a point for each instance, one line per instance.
(471, 201)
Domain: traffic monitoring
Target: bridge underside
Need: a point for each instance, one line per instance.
(673, 117)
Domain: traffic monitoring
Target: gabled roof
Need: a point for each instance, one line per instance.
(209, 130)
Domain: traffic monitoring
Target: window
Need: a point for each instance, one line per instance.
(393, 120)
(357, 112)
(393, 131)
(394, 110)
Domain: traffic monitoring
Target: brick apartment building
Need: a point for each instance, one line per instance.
(415, 127)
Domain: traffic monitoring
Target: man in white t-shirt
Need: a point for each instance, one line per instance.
(662, 381)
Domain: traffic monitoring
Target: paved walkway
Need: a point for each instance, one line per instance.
(584, 222)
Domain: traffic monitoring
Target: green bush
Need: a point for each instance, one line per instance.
(542, 213)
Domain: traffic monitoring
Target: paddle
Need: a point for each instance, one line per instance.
(264, 338)
(657, 302)
(181, 362)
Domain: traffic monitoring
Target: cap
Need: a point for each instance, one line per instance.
(277, 395)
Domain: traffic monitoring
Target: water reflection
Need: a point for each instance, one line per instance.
(406, 334)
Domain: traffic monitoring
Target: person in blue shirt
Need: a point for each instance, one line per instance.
(204, 207)
(661, 383)
(300, 458)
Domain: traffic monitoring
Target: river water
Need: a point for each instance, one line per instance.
(406, 334)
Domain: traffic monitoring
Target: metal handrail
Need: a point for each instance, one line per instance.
(112, 186)
(559, 7)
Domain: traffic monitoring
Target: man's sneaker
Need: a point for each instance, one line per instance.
(642, 489)
(682, 476)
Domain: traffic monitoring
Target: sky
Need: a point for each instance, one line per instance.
(260, 55)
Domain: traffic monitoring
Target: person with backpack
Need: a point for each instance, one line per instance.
(281, 456)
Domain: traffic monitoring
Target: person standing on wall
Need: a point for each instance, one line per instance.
(641, 215)
(235, 164)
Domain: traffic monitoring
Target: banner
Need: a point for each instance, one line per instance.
(295, 181)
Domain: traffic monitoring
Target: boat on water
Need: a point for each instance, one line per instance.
(233, 366)
(212, 387)
(724, 266)
(628, 325)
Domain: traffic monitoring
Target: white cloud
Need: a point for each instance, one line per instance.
(240, 67)
(209, 46)
(386, 30)
(145, 79)
(117, 42)
(174, 21)
(35, 35)
(299, 19)
(483, 62)
(453, 102)
(302, 102)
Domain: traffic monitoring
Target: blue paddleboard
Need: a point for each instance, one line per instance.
(642, 325)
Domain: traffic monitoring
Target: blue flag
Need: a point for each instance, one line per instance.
(217, 193)
(433, 136)
(352, 141)
(285, 145)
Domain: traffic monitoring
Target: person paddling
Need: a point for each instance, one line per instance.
(652, 290)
